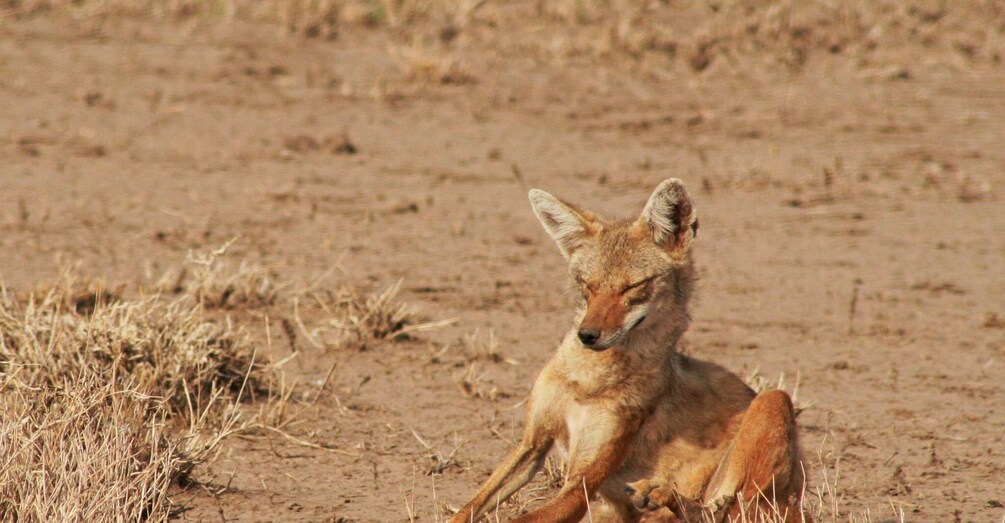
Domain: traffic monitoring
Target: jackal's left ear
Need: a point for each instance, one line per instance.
(670, 217)
(567, 224)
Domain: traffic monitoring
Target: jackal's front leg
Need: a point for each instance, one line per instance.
(519, 467)
(595, 453)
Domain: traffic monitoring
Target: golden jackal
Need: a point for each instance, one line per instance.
(656, 433)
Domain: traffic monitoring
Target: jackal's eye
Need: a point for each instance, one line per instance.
(637, 285)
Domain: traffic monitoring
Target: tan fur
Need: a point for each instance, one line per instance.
(657, 434)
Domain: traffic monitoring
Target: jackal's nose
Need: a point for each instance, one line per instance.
(589, 336)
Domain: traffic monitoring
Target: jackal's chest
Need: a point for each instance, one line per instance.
(589, 430)
(580, 424)
(655, 450)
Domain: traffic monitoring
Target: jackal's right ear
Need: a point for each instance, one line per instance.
(568, 225)
(670, 217)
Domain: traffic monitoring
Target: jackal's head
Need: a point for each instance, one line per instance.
(632, 275)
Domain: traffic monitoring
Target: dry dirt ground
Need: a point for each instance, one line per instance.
(850, 183)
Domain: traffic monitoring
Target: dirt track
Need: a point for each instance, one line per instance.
(852, 233)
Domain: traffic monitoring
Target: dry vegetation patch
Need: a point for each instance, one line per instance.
(751, 34)
(155, 345)
(86, 450)
(355, 318)
(108, 401)
(217, 282)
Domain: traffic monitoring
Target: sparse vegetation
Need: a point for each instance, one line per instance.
(430, 64)
(134, 392)
(779, 32)
(473, 384)
(360, 317)
(89, 449)
(311, 18)
(355, 318)
(154, 345)
(752, 35)
(307, 18)
(477, 347)
(213, 280)
(128, 394)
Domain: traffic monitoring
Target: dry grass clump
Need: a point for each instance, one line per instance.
(430, 64)
(698, 35)
(311, 18)
(379, 315)
(354, 318)
(87, 450)
(478, 347)
(152, 345)
(107, 401)
(215, 283)
(397, 14)
(474, 385)
(81, 295)
(439, 461)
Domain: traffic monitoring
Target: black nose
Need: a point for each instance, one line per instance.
(589, 336)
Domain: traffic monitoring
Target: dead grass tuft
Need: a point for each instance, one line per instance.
(430, 64)
(152, 345)
(81, 295)
(88, 450)
(88, 9)
(306, 18)
(218, 284)
(107, 401)
(311, 18)
(360, 317)
(355, 318)
(439, 461)
(696, 36)
(486, 348)
(554, 471)
(474, 385)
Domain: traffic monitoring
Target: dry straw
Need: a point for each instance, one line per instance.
(107, 402)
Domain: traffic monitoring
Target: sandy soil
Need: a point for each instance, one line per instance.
(851, 202)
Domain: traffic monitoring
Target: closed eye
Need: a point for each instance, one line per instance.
(638, 284)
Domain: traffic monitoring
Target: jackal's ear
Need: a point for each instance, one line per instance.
(568, 225)
(671, 217)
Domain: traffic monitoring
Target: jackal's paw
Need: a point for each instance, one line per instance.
(661, 515)
(650, 495)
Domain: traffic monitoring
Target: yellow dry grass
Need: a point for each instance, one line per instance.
(107, 402)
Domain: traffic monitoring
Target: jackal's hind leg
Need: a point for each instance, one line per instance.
(760, 471)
